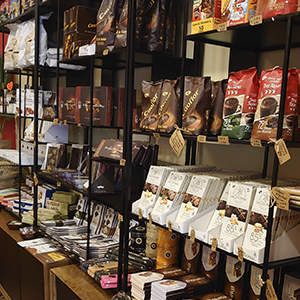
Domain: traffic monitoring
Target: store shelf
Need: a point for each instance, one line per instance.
(260, 37)
(42, 70)
(10, 212)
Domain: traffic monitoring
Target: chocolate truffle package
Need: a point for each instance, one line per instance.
(240, 104)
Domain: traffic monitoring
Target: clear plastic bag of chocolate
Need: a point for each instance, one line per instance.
(153, 29)
(240, 104)
(216, 111)
(151, 91)
(266, 116)
(168, 106)
(106, 25)
(196, 100)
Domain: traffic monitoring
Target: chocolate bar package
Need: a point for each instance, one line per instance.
(197, 91)
(168, 106)
(106, 25)
(291, 287)
(234, 278)
(209, 263)
(191, 256)
(240, 104)
(67, 103)
(102, 105)
(80, 19)
(150, 104)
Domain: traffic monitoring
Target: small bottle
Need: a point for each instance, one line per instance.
(121, 296)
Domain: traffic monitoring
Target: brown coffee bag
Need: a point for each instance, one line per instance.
(266, 116)
(150, 102)
(240, 104)
(196, 100)
(217, 101)
(168, 107)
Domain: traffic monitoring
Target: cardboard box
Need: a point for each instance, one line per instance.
(67, 103)
(102, 105)
(72, 41)
(118, 107)
(206, 15)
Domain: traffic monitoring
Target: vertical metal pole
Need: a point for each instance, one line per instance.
(90, 155)
(57, 53)
(194, 149)
(20, 142)
(127, 139)
(279, 134)
(3, 73)
(36, 106)
(188, 152)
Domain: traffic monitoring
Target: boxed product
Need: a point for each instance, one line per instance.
(190, 257)
(270, 8)
(29, 103)
(118, 107)
(210, 263)
(206, 15)
(67, 103)
(269, 95)
(80, 19)
(240, 104)
(102, 105)
(72, 41)
(291, 287)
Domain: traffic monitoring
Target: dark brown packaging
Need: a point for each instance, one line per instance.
(67, 103)
(121, 34)
(140, 16)
(106, 26)
(118, 106)
(234, 278)
(170, 27)
(82, 20)
(72, 41)
(150, 102)
(210, 263)
(296, 131)
(217, 102)
(102, 105)
(190, 257)
(153, 30)
(168, 107)
(196, 100)
(212, 296)
(67, 20)
(269, 95)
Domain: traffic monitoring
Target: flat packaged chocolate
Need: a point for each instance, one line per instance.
(67, 103)
(210, 263)
(211, 296)
(291, 287)
(102, 105)
(191, 256)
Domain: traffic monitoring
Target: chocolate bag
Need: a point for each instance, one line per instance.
(153, 32)
(196, 100)
(296, 131)
(240, 104)
(121, 35)
(217, 102)
(139, 21)
(266, 116)
(272, 8)
(106, 25)
(150, 100)
(168, 107)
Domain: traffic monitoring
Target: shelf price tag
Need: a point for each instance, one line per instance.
(156, 135)
(255, 143)
(123, 162)
(270, 292)
(214, 244)
(58, 183)
(223, 140)
(150, 218)
(78, 125)
(256, 20)
(201, 138)
(240, 254)
(177, 142)
(222, 27)
(193, 235)
(120, 217)
(55, 121)
(282, 198)
(170, 226)
(105, 52)
(35, 179)
(140, 213)
(56, 257)
(65, 122)
(282, 151)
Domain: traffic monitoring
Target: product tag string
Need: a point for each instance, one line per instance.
(178, 128)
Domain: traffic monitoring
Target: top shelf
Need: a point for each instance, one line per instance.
(270, 35)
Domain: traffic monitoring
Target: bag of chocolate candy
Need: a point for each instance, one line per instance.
(168, 106)
(121, 34)
(240, 104)
(151, 91)
(266, 116)
(196, 101)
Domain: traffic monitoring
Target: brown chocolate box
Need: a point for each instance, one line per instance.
(67, 103)
(118, 107)
(102, 105)
(80, 19)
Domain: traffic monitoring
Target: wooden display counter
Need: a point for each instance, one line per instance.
(69, 282)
